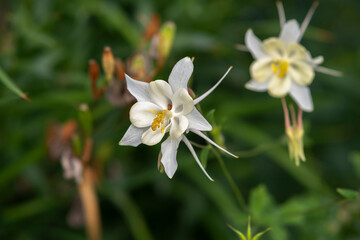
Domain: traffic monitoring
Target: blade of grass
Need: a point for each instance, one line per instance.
(4, 78)
(116, 18)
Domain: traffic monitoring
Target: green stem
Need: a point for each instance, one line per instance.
(261, 148)
(231, 181)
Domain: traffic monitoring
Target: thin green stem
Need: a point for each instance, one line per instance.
(231, 181)
(261, 148)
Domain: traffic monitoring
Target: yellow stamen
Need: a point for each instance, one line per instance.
(159, 119)
(280, 67)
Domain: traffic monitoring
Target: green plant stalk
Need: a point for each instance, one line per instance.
(131, 211)
(231, 181)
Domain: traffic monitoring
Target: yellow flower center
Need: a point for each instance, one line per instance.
(159, 119)
(280, 67)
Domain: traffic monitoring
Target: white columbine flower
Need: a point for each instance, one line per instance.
(163, 107)
(282, 65)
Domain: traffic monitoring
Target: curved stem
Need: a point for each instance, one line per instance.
(231, 181)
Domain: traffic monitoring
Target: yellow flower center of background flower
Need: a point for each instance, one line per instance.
(160, 119)
(280, 67)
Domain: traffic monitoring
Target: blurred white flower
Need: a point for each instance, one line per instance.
(282, 65)
(72, 166)
(167, 107)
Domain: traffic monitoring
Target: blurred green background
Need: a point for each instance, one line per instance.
(45, 46)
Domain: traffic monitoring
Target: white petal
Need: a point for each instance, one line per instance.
(256, 86)
(203, 96)
(279, 87)
(160, 93)
(181, 74)
(151, 137)
(274, 48)
(138, 89)
(188, 144)
(290, 32)
(295, 51)
(132, 136)
(182, 103)
(197, 121)
(254, 45)
(169, 150)
(141, 114)
(260, 70)
(212, 142)
(302, 96)
(301, 72)
(178, 126)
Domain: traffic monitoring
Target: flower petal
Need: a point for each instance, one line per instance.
(301, 72)
(181, 74)
(274, 47)
(169, 150)
(197, 121)
(260, 70)
(302, 96)
(188, 144)
(151, 137)
(160, 93)
(204, 95)
(290, 32)
(197, 132)
(279, 87)
(256, 86)
(139, 89)
(296, 52)
(141, 114)
(132, 136)
(182, 103)
(178, 126)
(254, 45)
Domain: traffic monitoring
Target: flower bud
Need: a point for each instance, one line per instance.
(119, 70)
(167, 33)
(152, 27)
(295, 134)
(137, 66)
(108, 63)
(93, 71)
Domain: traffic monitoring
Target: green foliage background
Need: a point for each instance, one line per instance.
(45, 46)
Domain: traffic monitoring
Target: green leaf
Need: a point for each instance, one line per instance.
(347, 193)
(11, 85)
(261, 203)
(204, 156)
(355, 160)
(257, 236)
(249, 228)
(242, 236)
